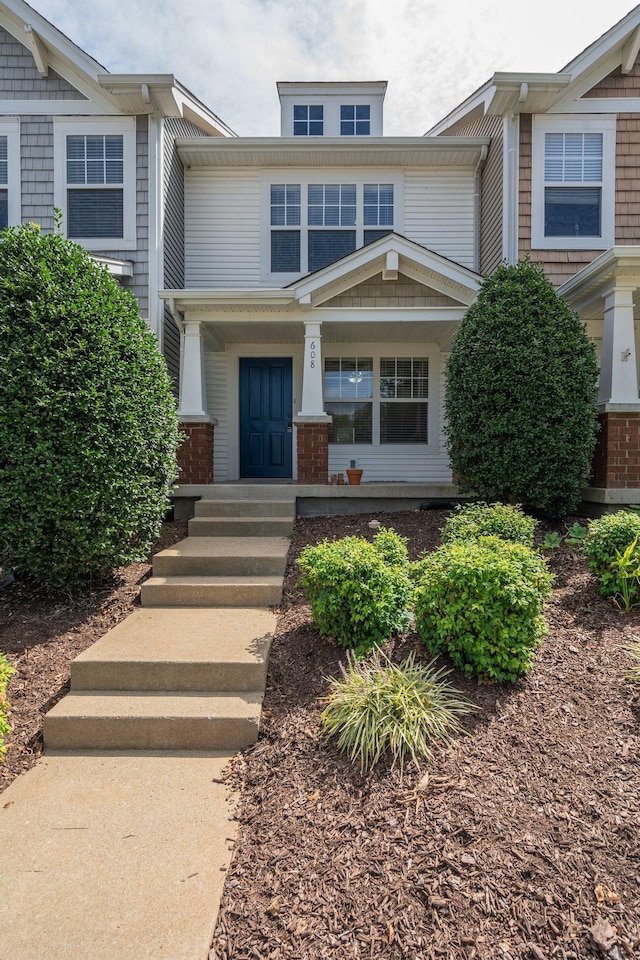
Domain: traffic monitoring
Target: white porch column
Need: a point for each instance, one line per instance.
(193, 391)
(312, 401)
(618, 372)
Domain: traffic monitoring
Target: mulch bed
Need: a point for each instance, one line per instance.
(41, 635)
(514, 844)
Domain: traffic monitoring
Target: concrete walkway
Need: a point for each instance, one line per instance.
(115, 845)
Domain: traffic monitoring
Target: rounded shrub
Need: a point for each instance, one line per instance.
(473, 520)
(607, 538)
(88, 426)
(480, 602)
(391, 547)
(377, 707)
(521, 394)
(355, 596)
(6, 672)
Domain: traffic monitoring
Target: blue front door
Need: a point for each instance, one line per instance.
(265, 417)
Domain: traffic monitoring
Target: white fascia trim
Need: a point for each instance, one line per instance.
(10, 128)
(510, 187)
(62, 127)
(613, 38)
(156, 219)
(570, 123)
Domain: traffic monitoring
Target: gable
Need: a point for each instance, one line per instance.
(403, 292)
(20, 79)
(617, 84)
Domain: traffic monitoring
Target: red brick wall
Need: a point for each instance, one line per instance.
(313, 453)
(195, 456)
(616, 463)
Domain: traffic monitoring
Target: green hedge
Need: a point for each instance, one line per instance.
(481, 602)
(473, 520)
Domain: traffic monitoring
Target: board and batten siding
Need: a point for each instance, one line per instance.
(173, 232)
(439, 212)
(222, 228)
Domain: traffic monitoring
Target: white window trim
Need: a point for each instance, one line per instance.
(606, 125)
(10, 128)
(124, 126)
(376, 352)
(327, 176)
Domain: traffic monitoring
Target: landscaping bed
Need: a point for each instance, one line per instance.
(512, 845)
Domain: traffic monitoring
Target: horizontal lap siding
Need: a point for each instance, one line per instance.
(222, 232)
(218, 406)
(439, 213)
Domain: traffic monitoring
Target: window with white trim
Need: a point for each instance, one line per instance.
(382, 400)
(573, 183)
(315, 224)
(95, 181)
(10, 200)
(355, 120)
(308, 120)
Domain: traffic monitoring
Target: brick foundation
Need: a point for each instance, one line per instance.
(195, 456)
(313, 452)
(616, 463)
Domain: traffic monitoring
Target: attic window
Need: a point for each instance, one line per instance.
(308, 120)
(355, 120)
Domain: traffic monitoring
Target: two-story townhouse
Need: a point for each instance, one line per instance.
(326, 272)
(562, 185)
(100, 147)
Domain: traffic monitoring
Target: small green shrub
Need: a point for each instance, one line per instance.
(355, 596)
(608, 537)
(480, 602)
(391, 547)
(6, 672)
(377, 706)
(473, 520)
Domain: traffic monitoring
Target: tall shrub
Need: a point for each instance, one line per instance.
(521, 394)
(88, 428)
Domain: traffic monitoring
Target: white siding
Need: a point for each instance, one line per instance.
(222, 228)
(439, 212)
(218, 404)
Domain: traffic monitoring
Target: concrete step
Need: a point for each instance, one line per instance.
(215, 591)
(232, 556)
(217, 651)
(99, 720)
(240, 526)
(250, 491)
(245, 508)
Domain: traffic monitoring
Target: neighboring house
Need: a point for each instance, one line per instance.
(562, 185)
(101, 148)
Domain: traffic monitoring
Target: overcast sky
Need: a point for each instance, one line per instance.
(230, 53)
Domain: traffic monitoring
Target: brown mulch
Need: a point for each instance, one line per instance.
(41, 635)
(514, 844)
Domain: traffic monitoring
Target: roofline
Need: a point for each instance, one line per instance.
(598, 270)
(293, 86)
(591, 54)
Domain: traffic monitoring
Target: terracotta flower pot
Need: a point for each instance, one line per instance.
(354, 477)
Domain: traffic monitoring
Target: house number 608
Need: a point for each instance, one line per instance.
(312, 354)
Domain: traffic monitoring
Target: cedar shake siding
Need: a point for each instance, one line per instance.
(616, 84)
(403, 292)
(491, 191)
(628, 178)
(173, 232)
(19, 77)
(559, 265)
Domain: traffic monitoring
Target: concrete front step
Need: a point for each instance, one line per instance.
(215, 591)
(158, 649)
(153, 721)
(232, 556)
(240, 526)
(245, 508)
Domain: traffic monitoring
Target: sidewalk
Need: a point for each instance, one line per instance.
(146, 838)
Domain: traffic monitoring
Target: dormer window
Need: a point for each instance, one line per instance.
(308, 120)
(355, 120)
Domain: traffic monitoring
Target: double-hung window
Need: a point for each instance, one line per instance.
(355, 120)
(315, 224)
(573, 182)
(308, 120)
(9, 172)
(96, 182)
(377, 400)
